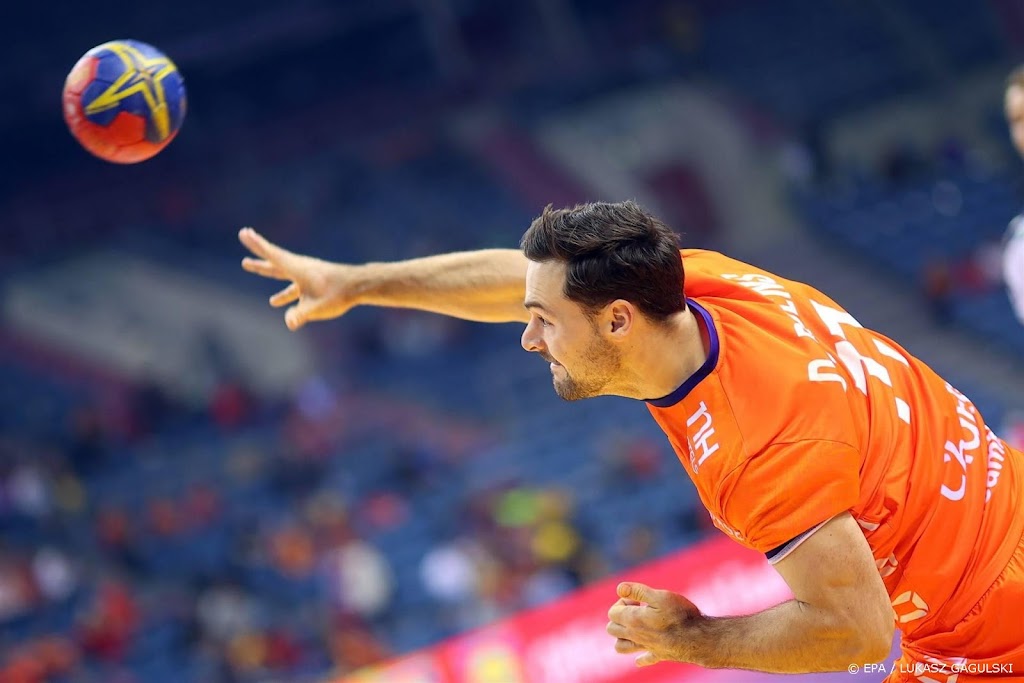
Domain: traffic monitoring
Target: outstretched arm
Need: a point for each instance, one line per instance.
(487, 285)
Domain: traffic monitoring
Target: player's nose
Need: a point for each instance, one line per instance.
(531, 338)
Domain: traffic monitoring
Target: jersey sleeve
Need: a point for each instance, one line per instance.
(778, 497)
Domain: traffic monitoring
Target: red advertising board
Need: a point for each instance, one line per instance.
(565, 641)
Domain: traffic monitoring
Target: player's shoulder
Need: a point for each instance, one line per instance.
(752, 392)
(712, 273)
(712, 262)
(746, 441)
(755, 391)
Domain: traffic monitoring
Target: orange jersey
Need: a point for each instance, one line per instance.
(800, 414)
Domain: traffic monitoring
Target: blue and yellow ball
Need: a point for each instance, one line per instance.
(124, 101)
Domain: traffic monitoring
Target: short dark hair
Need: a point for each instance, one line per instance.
(611, 251)
(1016, 77)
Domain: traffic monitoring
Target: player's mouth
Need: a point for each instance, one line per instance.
(551, 361)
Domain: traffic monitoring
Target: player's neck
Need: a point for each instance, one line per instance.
(669, 355)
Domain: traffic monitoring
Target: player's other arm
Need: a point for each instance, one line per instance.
(487, 285)
(840, 615)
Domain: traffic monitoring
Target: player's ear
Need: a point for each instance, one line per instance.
(621, 315)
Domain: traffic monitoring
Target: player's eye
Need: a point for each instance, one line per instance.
(543, 321)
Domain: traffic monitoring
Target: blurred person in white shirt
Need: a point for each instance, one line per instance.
(1013, 250)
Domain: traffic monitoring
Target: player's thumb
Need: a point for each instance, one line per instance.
(296, 316)
(634, 591)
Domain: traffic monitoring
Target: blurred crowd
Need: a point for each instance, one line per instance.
(293, 587)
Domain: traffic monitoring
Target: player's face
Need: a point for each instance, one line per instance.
(1014, 106)
(583, 363)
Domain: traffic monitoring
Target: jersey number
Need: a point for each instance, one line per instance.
(860, 366)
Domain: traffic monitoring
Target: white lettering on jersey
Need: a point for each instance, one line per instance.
(701, 441)
(958, 451)
(909, 606)
(887, 566)
(720, 523)
(996, 458)
(859, 365)
(766, 286)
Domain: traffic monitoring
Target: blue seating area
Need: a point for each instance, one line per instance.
(939, 218)
(566, 454)
(964, 39)
(806, 60)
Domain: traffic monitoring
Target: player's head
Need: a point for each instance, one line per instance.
(1013, 104)
(598, 274)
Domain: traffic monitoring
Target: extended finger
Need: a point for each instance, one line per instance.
(264, 268)
(624, 646)
(285, 296)
(648, 658)
(616, 630)
(261, 246)
(625, 613)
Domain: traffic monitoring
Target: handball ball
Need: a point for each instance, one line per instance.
(124, 101)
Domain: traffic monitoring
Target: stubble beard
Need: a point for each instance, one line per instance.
(602, 364)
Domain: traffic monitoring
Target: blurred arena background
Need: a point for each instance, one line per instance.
(188, 492)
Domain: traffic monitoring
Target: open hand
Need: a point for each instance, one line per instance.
(652, 622)
(322, 289)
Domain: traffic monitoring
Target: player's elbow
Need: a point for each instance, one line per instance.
(861, 634)
(853, 643)
(873, 636)
(876, 647)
